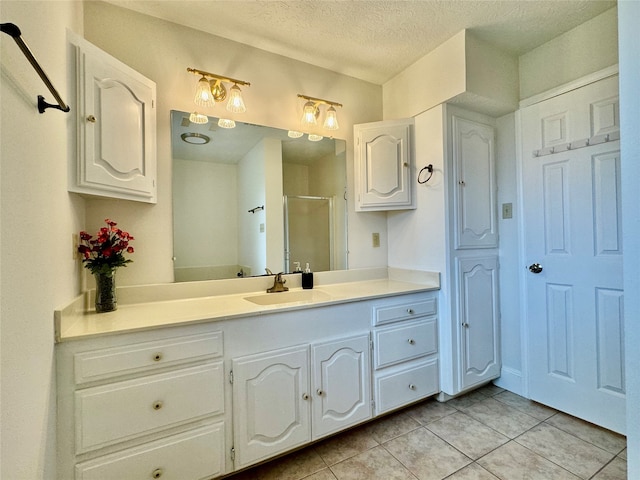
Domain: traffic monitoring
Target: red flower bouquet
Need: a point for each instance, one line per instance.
(106, 251)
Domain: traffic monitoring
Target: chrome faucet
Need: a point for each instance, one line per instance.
(278, 284)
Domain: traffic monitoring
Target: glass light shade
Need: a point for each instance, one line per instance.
(309, 115)
(236, 103)
(198, 118)
(294, 134)
(226, 123)
(204, 97)
(331, 119)
(315, 138)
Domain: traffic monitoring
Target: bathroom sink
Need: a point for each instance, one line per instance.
(295, 296)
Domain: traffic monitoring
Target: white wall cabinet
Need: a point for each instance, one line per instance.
(474, 183)
(283, 400)
(116, 127)
(384, 165)
(477, 295)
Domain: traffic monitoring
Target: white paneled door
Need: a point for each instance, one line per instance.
(573, 253)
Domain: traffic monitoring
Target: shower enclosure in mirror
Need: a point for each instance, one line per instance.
(250, 198)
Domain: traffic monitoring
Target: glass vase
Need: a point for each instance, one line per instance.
(106, 299)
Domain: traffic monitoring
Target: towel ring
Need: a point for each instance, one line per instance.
(428, 168)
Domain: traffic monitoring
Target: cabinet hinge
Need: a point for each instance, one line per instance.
(231, 378)
(371, 344)
(373, 405)
(233, 454)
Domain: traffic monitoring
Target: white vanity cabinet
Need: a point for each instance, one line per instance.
(116, 127)
(142, 406)
(384, 165)
(405, 346)
(288, 397)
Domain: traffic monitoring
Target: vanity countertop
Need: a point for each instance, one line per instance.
(148, 307)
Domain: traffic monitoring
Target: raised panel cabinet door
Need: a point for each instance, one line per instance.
(271, 403)
(116, 128)
(383, 161)
(341, 384)
(473, 150)
(479, 320)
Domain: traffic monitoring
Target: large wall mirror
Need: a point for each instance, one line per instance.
(250, 198)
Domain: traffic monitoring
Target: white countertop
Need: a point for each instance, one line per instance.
(148, 307)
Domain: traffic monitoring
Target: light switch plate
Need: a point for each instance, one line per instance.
(507, 210)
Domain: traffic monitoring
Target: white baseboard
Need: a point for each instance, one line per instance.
(510, 379)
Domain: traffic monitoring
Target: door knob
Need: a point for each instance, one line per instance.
(535, 268)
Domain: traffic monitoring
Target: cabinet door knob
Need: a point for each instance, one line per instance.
(157, 473)
(461, 182)
(410, 311)
(157, 357)
(157, 405)
(320, 392)
(91, 119)
(412, 386)
(411, 341)
(305, 396)
(465, 325)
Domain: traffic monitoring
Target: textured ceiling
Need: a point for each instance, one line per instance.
(373, 40)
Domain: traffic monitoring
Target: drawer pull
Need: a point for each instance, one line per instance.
(157, 405)
(305, 396)
(410, 311)
(157, 357)
(411, 341)
(412, 386)
(320, 392)
(157, 473)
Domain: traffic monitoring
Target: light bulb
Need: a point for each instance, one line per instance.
(331, 119)
(309, 114)
(226, 123)
(236, 103)
(198, 118)
(204, 97)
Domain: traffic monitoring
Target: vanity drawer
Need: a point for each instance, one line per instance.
(404, 342)
(407, 385)
(110, 362)
(119, 411)
(196, 454)
(405, 311)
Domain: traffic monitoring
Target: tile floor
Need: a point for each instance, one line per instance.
(488, 434)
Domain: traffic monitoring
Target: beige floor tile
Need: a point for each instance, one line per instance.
(294, 466)
(505, 419)
(345, 445)
(374, 464)
(467, 434)
(490, 390)
(467, 399)
(325, 474)
(391, 426)
(515, 462)
(571, 453)
(616, 470)
(425, 455)
(606, 439)
(430, 411)
(536, 410)
(472, 472)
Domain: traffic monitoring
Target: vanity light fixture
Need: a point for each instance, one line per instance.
(314, 138)
(311, 112)
(198, 118)
(294, 134)
(211, 89)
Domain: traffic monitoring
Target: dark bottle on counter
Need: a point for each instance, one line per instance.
(307, 278)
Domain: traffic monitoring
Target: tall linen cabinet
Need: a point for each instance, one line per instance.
(456, 228)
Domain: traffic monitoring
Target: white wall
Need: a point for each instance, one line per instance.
(629, 19)
(207, 211)
(585, 49)
(38, 218)
(162, 51)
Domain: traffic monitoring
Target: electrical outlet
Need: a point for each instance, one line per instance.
(507, 210)
(262, 228)
(375, 238)
(75, 240)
